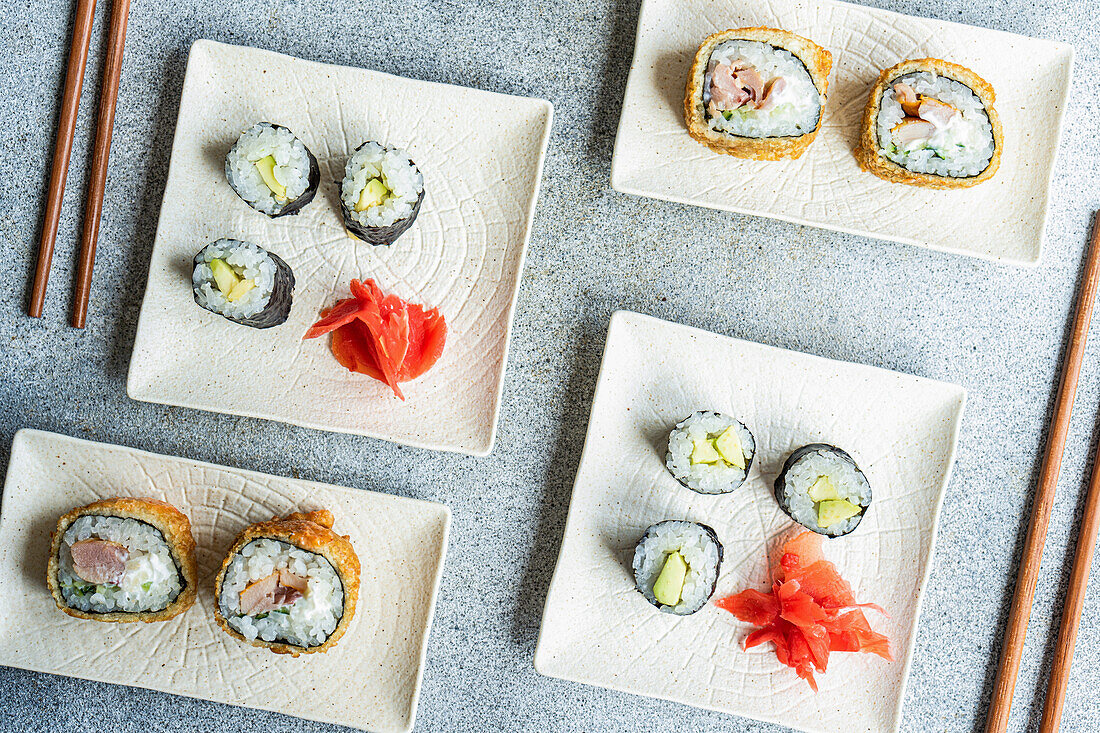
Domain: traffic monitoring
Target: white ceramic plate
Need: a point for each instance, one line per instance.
(598, 630)
(370, 680)
(481, 155)
(1001, 219)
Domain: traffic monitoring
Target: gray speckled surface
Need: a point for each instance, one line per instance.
(996, 330)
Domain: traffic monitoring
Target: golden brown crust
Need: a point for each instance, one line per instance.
(818, 62)
(171, 522)
(867, 152)
(312, 532)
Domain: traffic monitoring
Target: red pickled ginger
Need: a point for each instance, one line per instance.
(809, 613)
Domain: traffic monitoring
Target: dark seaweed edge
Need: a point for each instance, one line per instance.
(820, 109)
(794, 457)
(717, 566)
(380, 236)
(878, 138)
(748, 463)
(290, 207)
(277, 310)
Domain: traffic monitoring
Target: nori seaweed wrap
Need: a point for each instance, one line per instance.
(823, 489)
(381, 193)
(243, 282)
(272, 170)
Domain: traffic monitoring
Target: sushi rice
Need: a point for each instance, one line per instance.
(396, 170)
(797, 107)
(701, 550)
(152, 579)
(307, 621)
(707, 478)
(292, 166)
(804, 468)
(961, 149)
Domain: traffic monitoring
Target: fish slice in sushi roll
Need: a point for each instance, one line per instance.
(710, 453)
(823, 489)
(931, 123)
(272, 170)
(381, 193)
(243, 282)
(288, 584)
(121, 560)
(676, 565)
(757, 93)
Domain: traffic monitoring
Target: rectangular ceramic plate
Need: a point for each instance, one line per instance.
(481, 155)
(1001, 219)
(900, 429)
(369, 680)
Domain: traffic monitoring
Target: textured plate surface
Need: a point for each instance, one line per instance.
(369, 680)
(597, 629)
(1001, 219)
(481, 155)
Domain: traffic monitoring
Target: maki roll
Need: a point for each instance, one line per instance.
(757, 93)
(243, 282)
(123, 560)
(931, 123)
(822, 488)
(272, 170)
(289, 585)
(676, 565)
(381, 193)
(710, 453)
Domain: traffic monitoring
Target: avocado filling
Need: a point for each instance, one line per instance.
(830, 508)
(670, 583)
(266, 167)
(724, 448)
(229, 281)
(374, 193)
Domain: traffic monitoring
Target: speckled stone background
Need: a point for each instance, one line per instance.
(998, 331)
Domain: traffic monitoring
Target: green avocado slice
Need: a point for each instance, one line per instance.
(705, 452)
(266, 167)
(833, 511)
(374, 193)
(224, 276)
(729, 446)
(670, 583)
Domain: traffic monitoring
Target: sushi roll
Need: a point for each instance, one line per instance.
(710, 453)
(122, 560)
(931, 123)
(289, 585)
(381, 193)
(272, 170)
(676, 566)
(243, 282)
(757, 93)
(822, 488)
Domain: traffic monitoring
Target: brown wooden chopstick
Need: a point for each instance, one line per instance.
(1078, 585)
(63, 146)
(1001, 703)
(108, 96)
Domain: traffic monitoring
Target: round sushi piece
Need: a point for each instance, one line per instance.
(676, 565)
(122, 560)
(381, 193)
(289, 584)
(757, 93)
(931, 123)
(243, 282)
(272, 170)
(822, 488)
(710, 453)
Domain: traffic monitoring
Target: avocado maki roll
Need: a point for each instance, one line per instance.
(931, 123)
(676, 565)
(121, 560)
(822, 488)
(288, 584)
(381, 193)
(243, 282)
(710, 453)
(272, 170)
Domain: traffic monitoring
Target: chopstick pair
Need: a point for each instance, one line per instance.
(1001, 703)
(70, 104)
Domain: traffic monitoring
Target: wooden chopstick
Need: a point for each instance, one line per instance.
(108, 96)
(1001, 704)
(1078, 585)
(63, 146)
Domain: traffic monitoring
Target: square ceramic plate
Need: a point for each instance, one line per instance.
(369, 680)
(598, 630)
(1001, 219)
(481, 155)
